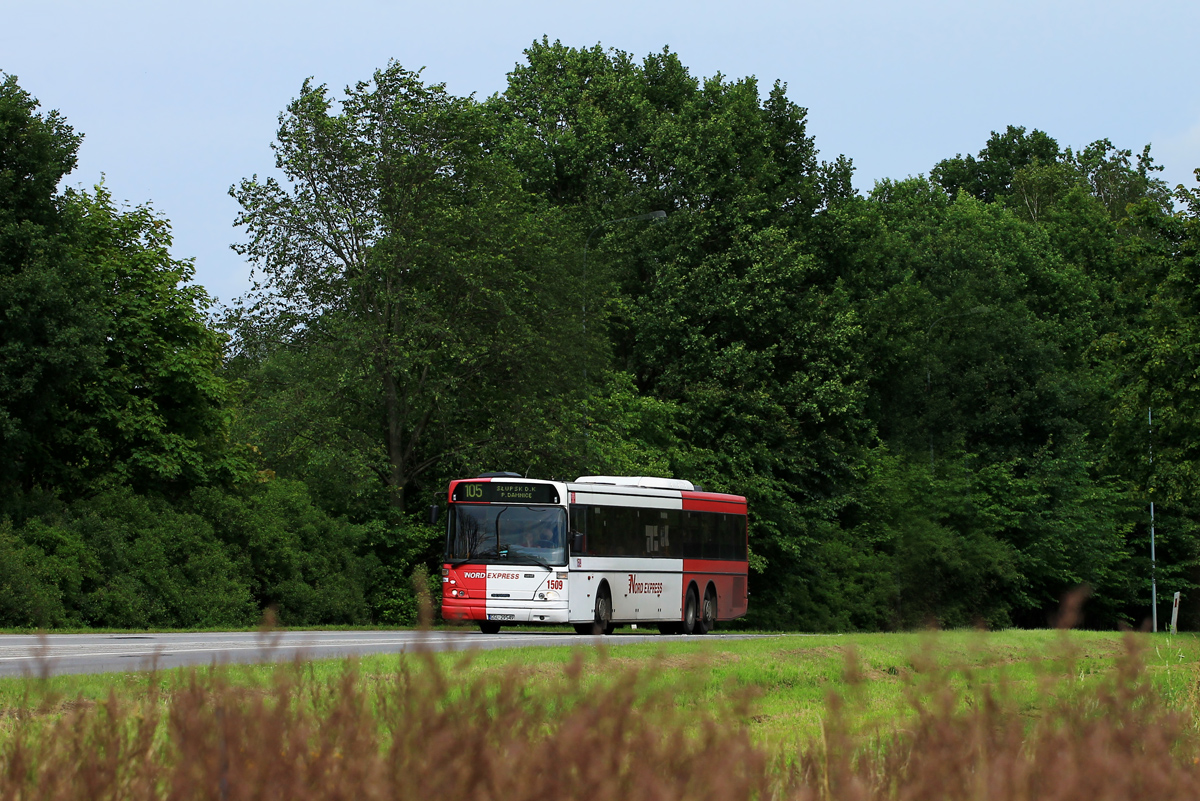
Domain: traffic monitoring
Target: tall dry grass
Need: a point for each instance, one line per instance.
(428, 733)
(1112, 740)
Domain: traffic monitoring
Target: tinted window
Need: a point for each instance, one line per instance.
(617, 531)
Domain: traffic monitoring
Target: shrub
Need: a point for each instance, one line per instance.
(298, 559)
(28, 595)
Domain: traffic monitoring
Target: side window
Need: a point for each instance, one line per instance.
(733, 536)
(648, 523)
(659, 527)
(597, 531)
(691, 535)
(613, 531)
(709, 536)
(630, 528)
(669, 533)
(618, 531)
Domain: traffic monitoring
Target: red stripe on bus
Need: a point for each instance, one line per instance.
(714, 566)
(713, 502)
(713, 496)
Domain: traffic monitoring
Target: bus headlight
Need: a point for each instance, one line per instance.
(549, 595)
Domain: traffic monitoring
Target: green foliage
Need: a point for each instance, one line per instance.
(148, 564)
(742, 348)
(991, 175)
(122, 560)
(913, 389)
(217, 559)
(405, 252)
(300, 561)
(154, 414)
(110, 370)
(50, 331)
(1030, 171)
(29, 595)
(933, 396)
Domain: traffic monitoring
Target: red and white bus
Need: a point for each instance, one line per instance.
(598, 553)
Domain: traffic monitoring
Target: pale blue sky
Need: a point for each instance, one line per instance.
(178, 102)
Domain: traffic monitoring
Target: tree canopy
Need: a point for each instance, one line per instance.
(935, 395)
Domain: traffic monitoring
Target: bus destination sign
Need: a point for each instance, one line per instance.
(503, 492)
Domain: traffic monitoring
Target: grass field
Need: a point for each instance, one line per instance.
(788, 709)
(785, 680)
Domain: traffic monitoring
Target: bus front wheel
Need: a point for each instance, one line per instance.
(603, 621)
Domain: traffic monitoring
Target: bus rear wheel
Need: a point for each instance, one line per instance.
(690, 611)
(489, 627)
(707, 619)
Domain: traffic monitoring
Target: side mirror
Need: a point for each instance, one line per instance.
(577, 542)
(434, 511)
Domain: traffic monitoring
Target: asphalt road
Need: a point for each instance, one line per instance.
(34, 655)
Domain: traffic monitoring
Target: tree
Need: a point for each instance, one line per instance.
(110, 370)
(990, 175)
(1115, 180)
(49, 331)
(403, 255)
(979, 334)
(721, 315)
(154, 414)
(1031, 172)
(1157, 356)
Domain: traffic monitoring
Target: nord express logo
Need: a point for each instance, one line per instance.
(644, 587)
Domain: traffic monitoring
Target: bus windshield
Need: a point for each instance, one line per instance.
(517, 534)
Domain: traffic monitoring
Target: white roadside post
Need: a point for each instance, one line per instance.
(1153, 574)
(1175, 613)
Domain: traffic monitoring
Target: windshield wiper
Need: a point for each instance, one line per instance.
(475, 557)
(518, 555)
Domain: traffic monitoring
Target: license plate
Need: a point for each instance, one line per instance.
(502, 617)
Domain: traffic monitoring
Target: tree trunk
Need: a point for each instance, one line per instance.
(395, 442)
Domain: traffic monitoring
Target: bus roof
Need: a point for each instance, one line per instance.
(646, 482)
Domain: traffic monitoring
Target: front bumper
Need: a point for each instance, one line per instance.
(466, 609)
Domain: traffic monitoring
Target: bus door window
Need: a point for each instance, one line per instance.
(578, 529)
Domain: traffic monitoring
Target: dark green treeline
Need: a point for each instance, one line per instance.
(935, 396)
